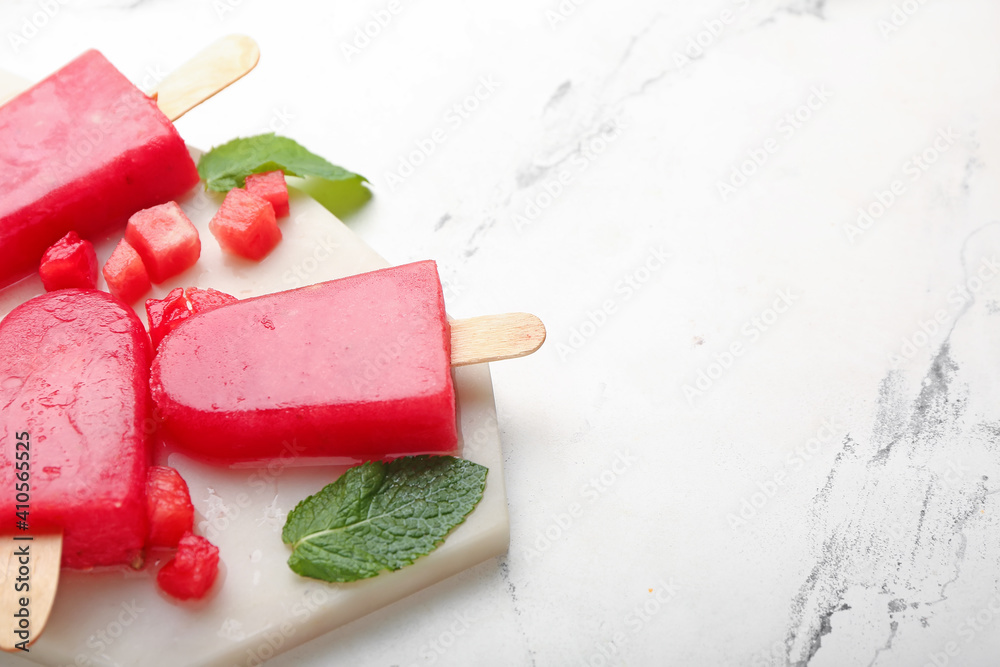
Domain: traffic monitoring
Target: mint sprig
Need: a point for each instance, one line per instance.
(226, 167)
(381, 516)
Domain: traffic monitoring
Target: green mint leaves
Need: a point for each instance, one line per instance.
(381, 516)
(226, 167)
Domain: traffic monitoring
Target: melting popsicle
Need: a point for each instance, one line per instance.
(340, 369)
(82, 150)
(74, 372)
(355, 368)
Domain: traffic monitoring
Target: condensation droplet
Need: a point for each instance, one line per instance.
(12, 383)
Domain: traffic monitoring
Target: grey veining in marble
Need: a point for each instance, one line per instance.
(763, 235)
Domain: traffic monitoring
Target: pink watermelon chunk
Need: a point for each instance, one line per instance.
(191, 574)
(165, 239)
(76, 364)
(165, 314)
(170, 511)
(245, 225)
(71, 262)
(208, 299)
(126, 274)
(272, 187)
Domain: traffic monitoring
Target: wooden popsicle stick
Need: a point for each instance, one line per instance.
(212, 70)
(478, 340)
(43, 553)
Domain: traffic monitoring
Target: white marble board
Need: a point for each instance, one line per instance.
(259, 608)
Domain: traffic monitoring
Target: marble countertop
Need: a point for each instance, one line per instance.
(764, 237)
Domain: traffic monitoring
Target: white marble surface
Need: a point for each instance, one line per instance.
(828, 497)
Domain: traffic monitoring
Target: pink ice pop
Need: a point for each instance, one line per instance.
(74, 370)
(352, 368)
(82, 150)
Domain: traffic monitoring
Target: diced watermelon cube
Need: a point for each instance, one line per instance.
(272, 187)
(126, 274)
(165, 314)
(208, 299)
(165, 239)
(169, 508)
(245, 225)
(69, 262)
(190, 575)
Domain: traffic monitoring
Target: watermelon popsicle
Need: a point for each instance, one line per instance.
(341, 369)
(74, 395)
(351, 369)
(82, 151)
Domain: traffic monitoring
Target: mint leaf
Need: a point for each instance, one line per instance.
(381, 516)
(226, 167)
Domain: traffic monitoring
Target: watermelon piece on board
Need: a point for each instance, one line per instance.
(271, 186)
(166, 240)
(169, 507)
(70, 262)
(165, 314)
(126, 274)
(245, 225)
(190, 575)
